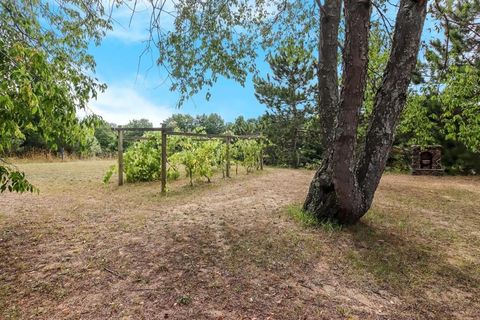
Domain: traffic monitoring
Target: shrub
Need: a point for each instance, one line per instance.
(248, 153)
(198, 157)
(142, 160)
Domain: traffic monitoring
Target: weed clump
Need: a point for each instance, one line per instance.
(308, 220)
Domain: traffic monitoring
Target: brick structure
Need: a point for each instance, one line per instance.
(427, 160)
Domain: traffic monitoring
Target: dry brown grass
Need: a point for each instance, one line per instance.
(230, 250)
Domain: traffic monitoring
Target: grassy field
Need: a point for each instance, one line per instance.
(235, 249)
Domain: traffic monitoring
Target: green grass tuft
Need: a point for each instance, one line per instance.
(308, 220)
(184, 300)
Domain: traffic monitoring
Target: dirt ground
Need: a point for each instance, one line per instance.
(232, 249)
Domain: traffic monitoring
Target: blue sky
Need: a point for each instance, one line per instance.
(139, 90)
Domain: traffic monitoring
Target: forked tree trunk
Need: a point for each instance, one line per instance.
(343, 188)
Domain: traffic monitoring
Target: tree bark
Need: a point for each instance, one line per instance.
(343, 188)
(390, 98)
(327, 73)
(355, 57)
(320, 196)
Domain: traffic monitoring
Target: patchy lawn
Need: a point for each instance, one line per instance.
(235, 249)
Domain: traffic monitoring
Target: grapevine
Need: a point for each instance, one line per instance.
(198, 158)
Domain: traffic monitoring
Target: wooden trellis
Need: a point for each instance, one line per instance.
(165, 131)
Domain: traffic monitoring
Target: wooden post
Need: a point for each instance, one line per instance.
(261, 158)
(120, 156)
(164, 158)
(227, 157)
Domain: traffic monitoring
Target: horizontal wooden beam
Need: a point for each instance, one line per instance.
(209, 135)
(138, 129)
(170, 131)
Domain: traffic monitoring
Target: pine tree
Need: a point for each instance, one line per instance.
(289, 95)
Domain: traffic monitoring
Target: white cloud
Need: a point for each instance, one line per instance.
(120, 104)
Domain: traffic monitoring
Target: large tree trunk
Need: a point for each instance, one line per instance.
(321, 196)
(334, 193)
(327, 73)
(390, 98)
(355, 57)
(343, 188)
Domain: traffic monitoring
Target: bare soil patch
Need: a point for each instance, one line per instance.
(230, 250)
